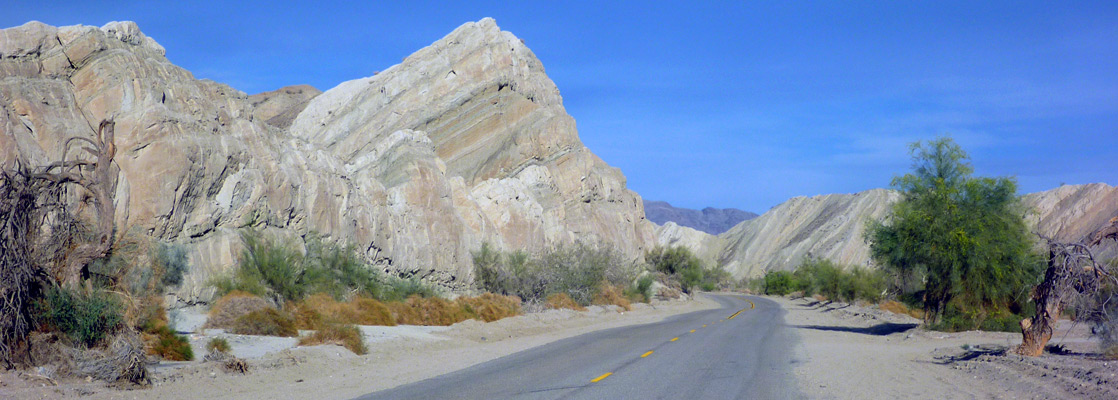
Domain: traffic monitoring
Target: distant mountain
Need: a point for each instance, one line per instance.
(710, 220)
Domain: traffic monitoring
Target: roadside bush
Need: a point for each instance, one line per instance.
(234, 305)
(679, 263)
(273, 268)
(490, 307)
(575, 270)
(84, 316)
(266, 322)
(427, 311)
(609, 294)
(558, 301)
(345, 335)
(778, 283)
(641, 290)
(218, 345)
(321, 309)
(159, 338)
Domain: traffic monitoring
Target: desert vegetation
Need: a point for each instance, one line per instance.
(78, 294)
(580, 275)
(827, 279)
(277, 289)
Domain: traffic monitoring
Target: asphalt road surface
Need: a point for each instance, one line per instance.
(739, 351)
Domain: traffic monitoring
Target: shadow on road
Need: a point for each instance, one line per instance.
(876, 330)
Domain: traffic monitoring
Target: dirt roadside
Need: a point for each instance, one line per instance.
(397, 356)
(854, 352)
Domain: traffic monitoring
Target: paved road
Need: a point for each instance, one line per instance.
(740, 351)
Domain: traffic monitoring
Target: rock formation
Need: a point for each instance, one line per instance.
(710, 220)
(464, 142)
(832, 226)
(829, 226)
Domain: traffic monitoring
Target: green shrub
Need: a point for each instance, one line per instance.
(576, 270)
(174, 262)
(778, 283)
(83, 317)
(218, 345)
(169, 345)
(271, 267)
(679, 263)
(641, 290)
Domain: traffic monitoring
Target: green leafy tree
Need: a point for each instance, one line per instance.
(962, 238)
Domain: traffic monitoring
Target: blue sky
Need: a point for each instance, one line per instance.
(725, 104)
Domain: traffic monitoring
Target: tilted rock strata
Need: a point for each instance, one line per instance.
(465, 142)
(832, 226)
(828, 226)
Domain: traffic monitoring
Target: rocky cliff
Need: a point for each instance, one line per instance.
(466, 141)
(832, 226)
(710, 220)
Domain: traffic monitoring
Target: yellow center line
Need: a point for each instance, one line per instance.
(595, 380)
(704, 326)
(646, 354)
(674, 339)
(692, 331)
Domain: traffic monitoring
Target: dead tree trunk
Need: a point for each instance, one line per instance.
(39, 241)
(1072, 273)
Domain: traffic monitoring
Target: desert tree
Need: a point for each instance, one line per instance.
(43, 239)
(1073, 279)
(963, 237)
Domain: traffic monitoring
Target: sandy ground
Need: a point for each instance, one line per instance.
(397, 355)
(854, 352)
(844, 352)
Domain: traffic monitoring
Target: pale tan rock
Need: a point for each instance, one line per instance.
(465, 142)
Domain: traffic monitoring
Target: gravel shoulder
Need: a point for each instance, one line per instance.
(855, 352)
(397, 355)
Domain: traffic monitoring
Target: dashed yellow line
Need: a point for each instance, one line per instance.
(704, 326)
(674, 339)
(595, 380)
(692, 331)
(646, 354)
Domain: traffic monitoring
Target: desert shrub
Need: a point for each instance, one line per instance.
(265, 322)
(346, 335)
(427, 311)
(321, 309)
(778, 283)
(234, 305)
(84, 316)
(169, 345)
(609, 294)
(679, 263)
(218, 345)
(490, 307)
(641, 290)
(173, 261)
(270, 267)
(559, 301)
(159, 338)
(575, 270)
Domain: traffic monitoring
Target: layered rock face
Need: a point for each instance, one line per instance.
(466, 141)
(710, 220)
(832, 226)
(829, 226)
